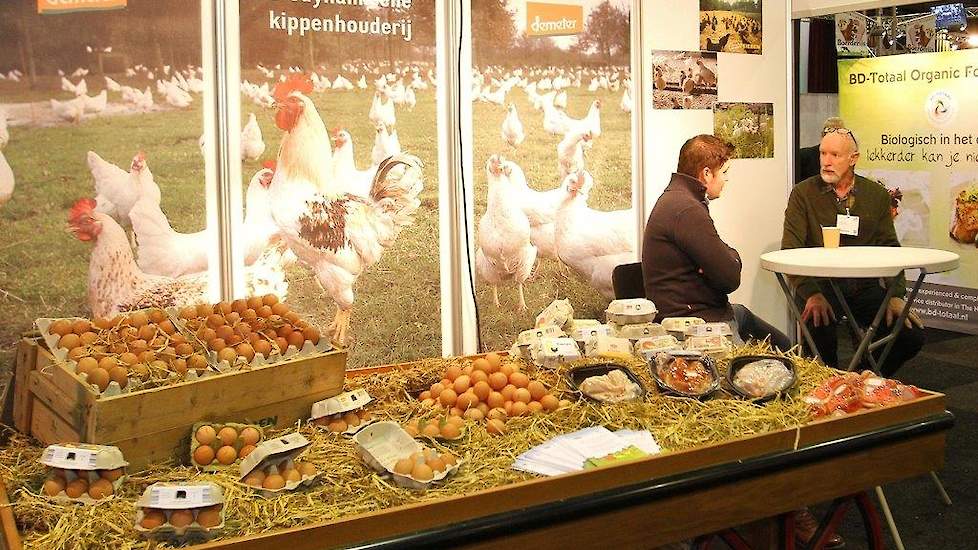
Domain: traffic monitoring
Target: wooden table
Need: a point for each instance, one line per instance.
(652, 501)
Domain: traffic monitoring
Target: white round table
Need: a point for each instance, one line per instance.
(859, 262)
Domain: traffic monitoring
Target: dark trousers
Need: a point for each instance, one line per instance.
(752, 327)
(864, 301)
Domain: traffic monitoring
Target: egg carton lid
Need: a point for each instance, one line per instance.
(180, 496)
(575, 324)
(281, 448)
(631, 306)
(606, 344)
(382, 444)
(639, 330)
(586, 332)
(557, 313)
(559, 347)
(707, 343)
(680, 324)
(656, 343)
(83, 456)
(344, 402)
(528, 337)
(709, 329)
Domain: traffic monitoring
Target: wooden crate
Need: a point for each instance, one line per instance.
(154, 425)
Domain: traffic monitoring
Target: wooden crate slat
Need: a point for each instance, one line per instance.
(24, 365)
(49, 428)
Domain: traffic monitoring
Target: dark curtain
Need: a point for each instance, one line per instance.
(823, 72)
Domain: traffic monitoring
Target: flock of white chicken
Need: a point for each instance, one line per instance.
(522, 224)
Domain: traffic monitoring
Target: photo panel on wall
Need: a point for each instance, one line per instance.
(733, 26)
(684, 80)
(748, 126)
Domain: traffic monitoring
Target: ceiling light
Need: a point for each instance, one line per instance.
(973, 40)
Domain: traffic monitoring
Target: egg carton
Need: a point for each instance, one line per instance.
(82, 459)
(463, 431)
(608, 346)
(384, 443)
(558, 314)
(556, 351)
(276, 455)
(677, 326)
(631, 311)
(528, 341)
(709, 329)
(584, 333)
(710, 345)
(349, 401)
(646, 348)
(307, 349)
(637, 331)
(171, 497)
(238, 444)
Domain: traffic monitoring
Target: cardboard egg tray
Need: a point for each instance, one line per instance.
(582, 333)
(528, 341)
(608, 346)
(61, 354)
(170, 497)
(351, 401)
(632, 311)
(558, 314)
(274, 456)
(677, 326)
(638, 331)
(382, 444)
(77, 460)
(462, 429)
(646, 348)
(556, 351)
(216, 466)
(276, 356)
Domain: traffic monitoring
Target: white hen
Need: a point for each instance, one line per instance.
(345, 169)
(512, 130)
(96, 103)
(590, 123)
(570, 152)
(386, 145)
(6, 180)
(505, 253)
(252, 144)
(593, 242)
(118, 191)
(4, 133)
(540, 208)
(71, 110)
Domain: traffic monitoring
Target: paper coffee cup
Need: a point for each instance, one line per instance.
(830, 237)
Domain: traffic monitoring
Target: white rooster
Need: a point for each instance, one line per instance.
(386, 144)
(512, 130)
(505, 253)
(336, 234)
(590, 123)
(252, 145)
(382, 110)
(6, 180)
(570, 152)
(540, 208)
(591, 242)
(117, 191)
(163, 251)
(116, 284)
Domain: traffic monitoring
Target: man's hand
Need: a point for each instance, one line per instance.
(817, 309)
(893, 310)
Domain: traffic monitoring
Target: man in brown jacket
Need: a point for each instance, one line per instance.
(687, 268)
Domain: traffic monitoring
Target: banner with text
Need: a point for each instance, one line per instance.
(69, 6)
(851, 35)
(913, 115)
(554, 19)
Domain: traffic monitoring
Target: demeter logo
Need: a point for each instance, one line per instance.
(941, 108)
(68, 6)
(553, 19)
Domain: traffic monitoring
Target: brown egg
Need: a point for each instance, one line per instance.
(497, 413)
(69, 341)
(482, 390)
(112, 475)
(76, 354)
(77, 488)
(147, 332)
(480, 364)
(466, 400)
(549, 402)
(523, 395)
(255, 302)
(60, 327)
(422, 472)
(138, 319)
(436, 464)
(119, 375)
(128, 358)
(209, 518)
(250, 436)
(264, 311)
(246, 351)
(179, 366)
(217, 344)
(447, 397)
(306, 469)
(495, 400)
(227, 435)
(273, 481)
(178, 339)
(204, 455)
(184, 349)
(226, 455)
(147, 356)
(337, 426)
(86, 364)
(311, 334)
(404, 466)
(239, 305)
(157, 315)
(81, 326)
(431, 430)
(234, 340)
(282, 344)
(280, 309)
(255, 478)
(223, 308)
(197, 362)
(292, 317)
(284, 331)
(245, 451)
(181, 518)
(205, 435)
(206, 334)
(99, 377)
(203, 310)
(269, 299)
(534, 407)
(496, 427)
(224, 332)
(88, 338)
(262, 347)
(100, 488)
(215, 320)
(53, 487)
(449, 431)
(351, 418)
(537, 390)
(138, 346)
(140, 370)
(507, 370)
(188, 313)
(292, 475)
(152, 519)
(249, 315)
(296, 339)
(519, 379)
(227, 354)
(232, 318)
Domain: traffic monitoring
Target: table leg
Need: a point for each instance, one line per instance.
(903, 315)
(871, 329)
(897, 541)
(851, 319)
(793, 307)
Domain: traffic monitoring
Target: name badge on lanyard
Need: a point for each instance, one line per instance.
(848, 225)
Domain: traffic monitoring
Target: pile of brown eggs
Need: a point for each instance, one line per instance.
(423, 466)
(238, 331)
(139, 345)
(97, 484)
(206, 517)
(274, 477)
(340, 422)
(223, 445)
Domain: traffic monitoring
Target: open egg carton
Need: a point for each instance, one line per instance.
(528, 341)
(345, 413)
(448, 429)
(384, 445)
(249, 333)
(631, 311)
(83, 473)
(140, 348)
(272, 468)
(179, 513)
(216, 446)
